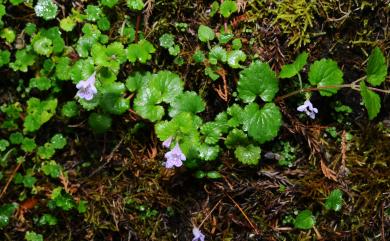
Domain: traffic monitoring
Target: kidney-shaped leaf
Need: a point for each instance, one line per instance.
(325, 72)
(249, 155)
(262, 124)
(257, 80)
(187, 102)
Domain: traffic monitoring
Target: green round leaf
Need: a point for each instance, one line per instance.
(227, 8)
(198, 56)
(32, 236)
(3, 144)
(58, 141)
(51, 168)
(167, 40)
(187, 102)
(137, 5)
(46, 151)
(262, 124)
(67, 24)
(6, 211)
(28, 145)
(41, 83)
(335, 200)
(236, 138)
(16, 138)
(70, 109)
(234, 57)
(99, 123)
(304, 220)
(257, 80)
(140, 51)
(46, 9)
(249, 155)
(205, 33)
(208, 153)
(325, 72)
(217, 53)
(38, 113)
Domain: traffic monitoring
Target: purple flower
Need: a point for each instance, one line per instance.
(308, 108)
(198, 235)
(167, 142)
(175, 157)
(87, 88)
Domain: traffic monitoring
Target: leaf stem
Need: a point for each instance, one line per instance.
(354, 85)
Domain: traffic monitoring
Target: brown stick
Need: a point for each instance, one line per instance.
(243, 213)
(137, 27)
(10, 179)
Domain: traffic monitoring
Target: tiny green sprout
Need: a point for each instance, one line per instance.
(335, 200)
(67, 24)
(227, 8)
(198, 56)
(93, 13)
(205, 33)
(28, 145)
(3, 145)
(16, 138)
(47, 219)
(51, 168)
(167, 40)
(8, 34)
(182, 27)
(304, 220)
(46, 151)
(38, 113)
(135, 5)
(282, 188)
(70, 109)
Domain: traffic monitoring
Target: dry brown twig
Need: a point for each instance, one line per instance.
(257, 231)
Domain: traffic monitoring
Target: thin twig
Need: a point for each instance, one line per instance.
(110, 156)
(208, 215)
(243, 213)
(10, 179)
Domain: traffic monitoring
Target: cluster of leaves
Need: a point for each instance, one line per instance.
(250, 120)
(42, 53)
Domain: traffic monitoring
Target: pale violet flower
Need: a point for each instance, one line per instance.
(308, 108)
(87, 87)
(198, 235)
(175, 157)
(167, 142)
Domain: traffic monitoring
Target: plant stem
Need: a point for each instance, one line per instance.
(354, 85)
